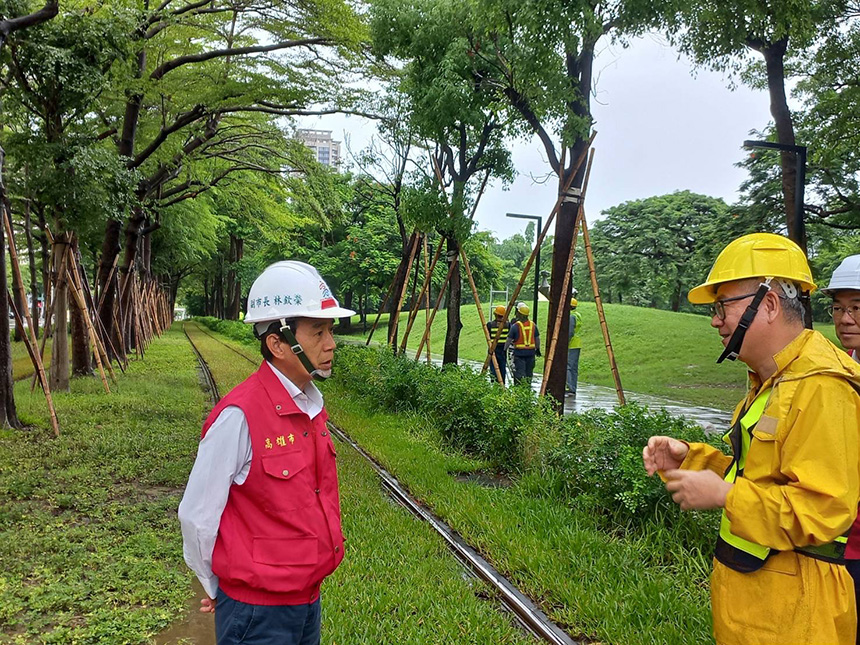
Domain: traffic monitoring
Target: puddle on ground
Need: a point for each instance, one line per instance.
(483, 478)
(194, 629)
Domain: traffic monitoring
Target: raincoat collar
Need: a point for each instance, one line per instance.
(809, 353)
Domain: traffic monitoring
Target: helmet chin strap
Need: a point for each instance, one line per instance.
(296, 347)
(733, 348)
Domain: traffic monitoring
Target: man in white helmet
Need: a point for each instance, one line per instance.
(844, 289)
(261, 513)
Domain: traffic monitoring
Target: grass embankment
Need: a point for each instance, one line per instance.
(88, 534)
(658, 352)
(398, 582)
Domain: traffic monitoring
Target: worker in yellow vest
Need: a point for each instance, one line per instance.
(493, 328)
(789, 491)
(524, 338)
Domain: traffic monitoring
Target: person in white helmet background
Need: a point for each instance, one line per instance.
(260, 516)
(844, 290)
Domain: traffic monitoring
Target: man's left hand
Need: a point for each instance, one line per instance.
(697, 489)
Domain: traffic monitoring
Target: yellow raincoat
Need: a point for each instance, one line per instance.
(800, 487)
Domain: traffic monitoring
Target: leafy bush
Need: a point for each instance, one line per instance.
(593, 460)
(471, 414)
(232, 329)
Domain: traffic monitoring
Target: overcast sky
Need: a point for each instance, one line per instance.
(661, 127)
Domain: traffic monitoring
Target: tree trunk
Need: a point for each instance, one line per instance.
(345, 323)
(19, 305)
(400, 276)
(234, 285)
(146, 251)
(34, 280)
(8, 412)
(676, 297)
(60, 346)
(81, 351)
(774, 58)
(452, 304)
(108, 279)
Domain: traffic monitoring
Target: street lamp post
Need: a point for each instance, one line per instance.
(539, 221)
(799, 232)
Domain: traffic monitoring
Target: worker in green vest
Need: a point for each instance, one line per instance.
(790, 488)
(574, 345)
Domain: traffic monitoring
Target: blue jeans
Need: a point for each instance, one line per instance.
(238, 622)
(572, 368)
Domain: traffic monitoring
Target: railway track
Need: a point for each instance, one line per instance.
(522, 607)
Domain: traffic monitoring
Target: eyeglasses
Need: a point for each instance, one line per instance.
(837, 311)
(718, 308)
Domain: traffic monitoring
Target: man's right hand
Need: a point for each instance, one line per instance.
(207, 606)
(663, 453)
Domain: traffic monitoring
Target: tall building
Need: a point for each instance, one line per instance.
(326, 150)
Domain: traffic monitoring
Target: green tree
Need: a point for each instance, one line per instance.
(652, 251)
(723, 35)
(465, 123)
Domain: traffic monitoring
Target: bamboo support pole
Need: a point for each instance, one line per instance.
(50, 313)
(538, 243)
(413, 314)
(481, 315)
(427, 272)
(79, 275)
(562, 308)
(40, 371)
(82, 306)
(19, 285)
(392, 339)
(379, 313)
(424, 338)
(603, 326)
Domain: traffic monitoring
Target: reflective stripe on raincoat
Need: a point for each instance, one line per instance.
(800, 486)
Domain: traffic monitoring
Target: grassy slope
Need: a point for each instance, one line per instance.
(398, 583)
(658, 352)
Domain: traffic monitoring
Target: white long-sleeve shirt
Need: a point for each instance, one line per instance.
(223, 459)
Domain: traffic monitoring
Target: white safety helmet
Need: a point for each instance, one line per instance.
(846, 276)
(290, 289)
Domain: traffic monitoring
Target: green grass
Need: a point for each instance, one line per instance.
(658, 352)
(398, 583)
(89, 539)
(616, 588)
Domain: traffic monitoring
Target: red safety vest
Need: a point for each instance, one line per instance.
(280, 532)
(526, 337)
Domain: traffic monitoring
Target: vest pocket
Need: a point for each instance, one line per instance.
(288, 481)
(286, 564)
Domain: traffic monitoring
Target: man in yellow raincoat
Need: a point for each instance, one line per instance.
(789, 493)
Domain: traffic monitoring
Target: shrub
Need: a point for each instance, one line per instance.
(598, 460)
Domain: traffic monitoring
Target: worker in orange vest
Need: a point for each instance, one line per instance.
(525, 340)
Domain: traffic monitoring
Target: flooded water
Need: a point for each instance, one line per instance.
(194, 629)
(589, 397)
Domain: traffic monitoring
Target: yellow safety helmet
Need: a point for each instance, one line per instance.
(574, 302)
(500, 310)
(758, 255)
(523, 309)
